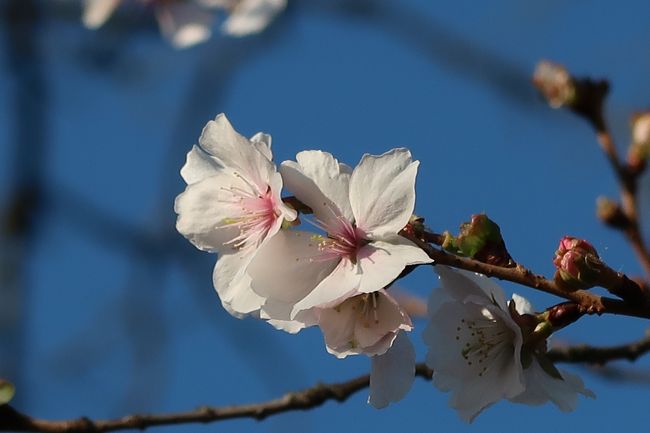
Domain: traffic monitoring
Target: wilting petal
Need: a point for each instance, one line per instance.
(234, 285)
(541, 388)
(382, 192)
(318, 180)
(96, 12)
(381, 262)
(252, 16)
(392, 373)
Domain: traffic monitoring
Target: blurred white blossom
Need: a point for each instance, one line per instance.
(188, 22)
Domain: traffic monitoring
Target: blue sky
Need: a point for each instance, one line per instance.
(119, 314)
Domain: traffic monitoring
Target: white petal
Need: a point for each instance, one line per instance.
(283, 211)
(184, 24)
(198, 166)
(340, 284)
(381, 262)
(234, 285)
(303, 320)
(522, 305)
(202, 209)
(392, 373)
(387, 318)
(338, 324)
(262, 142)
(283, 272)
(459, 284)
(252, 16)
(382, 192)
(363, 324)
(96, 12)
(541, 387)
(473, 389)
(318, 180)
(235, 151)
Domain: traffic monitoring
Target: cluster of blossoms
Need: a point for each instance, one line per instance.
(188, 22)
(337, 277)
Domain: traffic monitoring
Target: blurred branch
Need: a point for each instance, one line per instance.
(309, 398)
(21, 23)
(459, 54)
(601, 355)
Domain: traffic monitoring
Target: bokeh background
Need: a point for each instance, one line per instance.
(106, 310)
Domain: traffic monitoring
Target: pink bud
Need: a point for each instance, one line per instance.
(577, 263)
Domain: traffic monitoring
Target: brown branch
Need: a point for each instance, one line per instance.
(628, 185)
(12, 420)
(309, 398)
(591, 303)
(601, 355)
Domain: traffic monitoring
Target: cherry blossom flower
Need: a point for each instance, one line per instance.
(188, 22)
(361, 213)
(232, 205)
(475, 349)
(373, 324)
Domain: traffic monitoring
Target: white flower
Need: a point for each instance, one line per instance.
(363, 324)
(361, 212)
(232, 205)
(475, 348)
(188, 22)
(247, 17)
(373, 324)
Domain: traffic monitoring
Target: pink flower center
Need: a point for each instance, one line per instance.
(257, 214)
(343, 240)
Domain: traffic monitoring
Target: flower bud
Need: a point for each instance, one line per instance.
(480, 239)
(641, 129)
(554, 83)
(610, 213)
(577, 264)
(639, 150)
(583, 96)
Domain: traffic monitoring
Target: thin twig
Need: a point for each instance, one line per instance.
(309, 398)
(628, 185)
(591, 303)
(598, 355)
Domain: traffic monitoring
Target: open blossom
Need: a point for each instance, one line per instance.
(375, 325)
(189, 22)
(361, 213)
(232, 205)
(475, 349)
